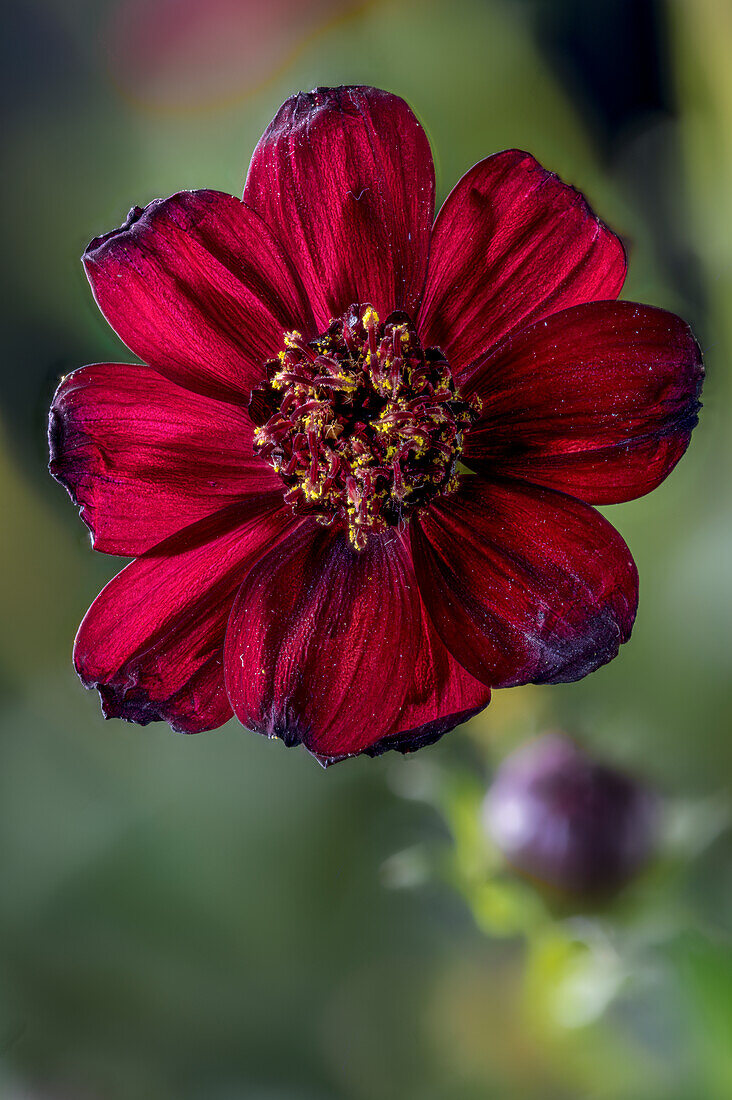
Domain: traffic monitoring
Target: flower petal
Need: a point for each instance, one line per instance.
(152, 642)
(198, 288)
(598, 401)
(331, 648)
(442, 695)
(143, 457)
(524, 585)
(345, 180)
(511, 244)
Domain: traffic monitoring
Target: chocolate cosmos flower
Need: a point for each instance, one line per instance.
(357, 473)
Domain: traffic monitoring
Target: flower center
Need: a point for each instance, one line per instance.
(362, 424)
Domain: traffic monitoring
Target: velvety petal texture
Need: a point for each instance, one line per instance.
(152, 642)
(344, 179)
(143, 457)
(598, 401)
(197, 287)
(349, 587)
(511, 244)
(331, 648)
(442, 693)
(524, 585)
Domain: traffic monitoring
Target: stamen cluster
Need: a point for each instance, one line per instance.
(362, 424)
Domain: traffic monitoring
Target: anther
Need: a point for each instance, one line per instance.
(367, 426)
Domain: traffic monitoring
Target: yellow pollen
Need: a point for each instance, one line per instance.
(365, 426)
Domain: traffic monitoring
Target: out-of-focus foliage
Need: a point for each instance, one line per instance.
(215, 918)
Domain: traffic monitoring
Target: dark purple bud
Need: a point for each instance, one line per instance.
(568, 821)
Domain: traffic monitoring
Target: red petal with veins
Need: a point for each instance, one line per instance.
(331, 648)
(198, 288)
(235, 602)
(143, 457)
(152, 642)
(511, 244)
(524, 585)
(598, 401)
(345, 180)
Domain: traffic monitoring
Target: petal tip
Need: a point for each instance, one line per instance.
(409, 741)
(134, 216)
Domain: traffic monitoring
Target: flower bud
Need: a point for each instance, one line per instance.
(570, 822)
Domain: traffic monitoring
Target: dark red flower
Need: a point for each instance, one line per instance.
(567, 820)
(286, 470)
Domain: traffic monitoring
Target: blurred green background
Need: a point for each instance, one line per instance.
(215, 917)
